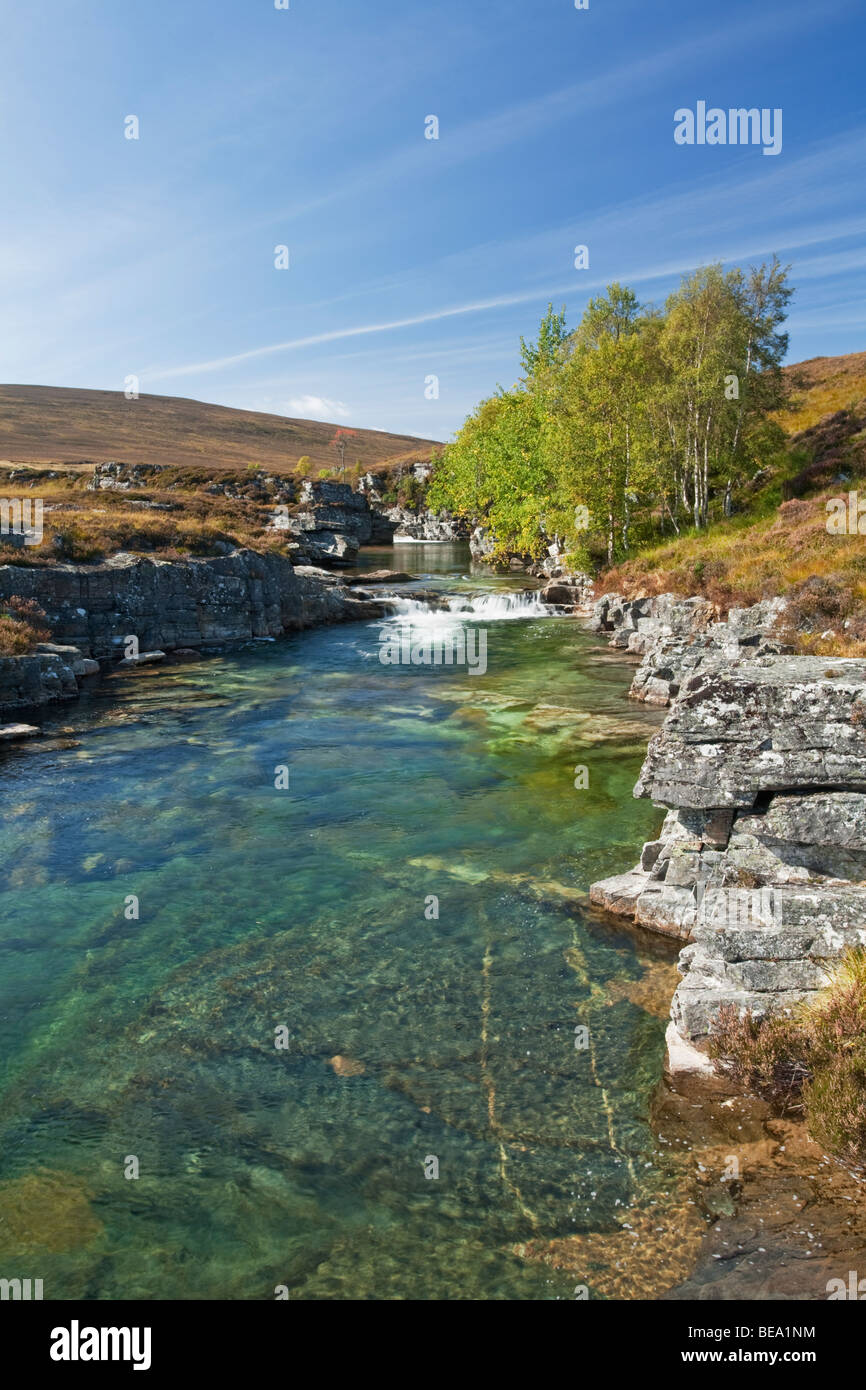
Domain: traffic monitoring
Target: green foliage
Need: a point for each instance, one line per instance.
(501, 467)
(835, 1101)
(411, 493)
(537, 357)
(628, 426)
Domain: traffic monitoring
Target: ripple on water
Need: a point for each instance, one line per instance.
(409, 1035)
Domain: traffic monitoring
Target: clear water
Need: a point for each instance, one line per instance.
(311, 909)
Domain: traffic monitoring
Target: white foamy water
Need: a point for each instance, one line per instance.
(495, 607)
(460, 608)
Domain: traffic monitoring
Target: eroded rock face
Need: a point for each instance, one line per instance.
(760, 865)
(742, 727)
(424, 525)
(676, 637)
(636, 624)
(29, 681)
(332, 523)
(166, 605)
(482, 543)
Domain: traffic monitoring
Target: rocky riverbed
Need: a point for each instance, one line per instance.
(569, 1167)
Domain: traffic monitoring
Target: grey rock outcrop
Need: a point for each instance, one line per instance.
(332, 523)
(760, 866)
(253, 485)
(28, 682)
(168, 605)
(776, 723)
(676, 636)
(425, 525)
(571, 593)
(482, 543)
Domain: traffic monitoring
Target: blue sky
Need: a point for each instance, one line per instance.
(409, 257)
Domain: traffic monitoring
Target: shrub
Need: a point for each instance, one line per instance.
(411, 493)
(812, 1060)
(74, 543)
(835, 1102)
(767, 1055)
(20, 626)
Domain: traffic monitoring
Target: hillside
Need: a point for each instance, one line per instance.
(777, 542)
(823, 385)
(62, 425)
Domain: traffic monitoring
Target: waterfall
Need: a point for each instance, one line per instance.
(461, 607)
(495, 607)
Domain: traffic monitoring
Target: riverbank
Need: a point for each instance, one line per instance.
(760, 867)
(132, 609)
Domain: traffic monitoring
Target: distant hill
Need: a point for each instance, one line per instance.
(823, 385)
(62, 425)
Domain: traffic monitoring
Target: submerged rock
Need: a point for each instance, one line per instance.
(143, 659)
(385, 577)
(347, 1066)
(48, 1211)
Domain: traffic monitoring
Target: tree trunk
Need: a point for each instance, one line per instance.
(625, 506)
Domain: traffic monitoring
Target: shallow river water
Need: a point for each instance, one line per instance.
(411, 1043)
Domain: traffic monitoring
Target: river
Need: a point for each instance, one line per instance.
(467, 1054)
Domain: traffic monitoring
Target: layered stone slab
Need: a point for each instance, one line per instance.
(761, 862)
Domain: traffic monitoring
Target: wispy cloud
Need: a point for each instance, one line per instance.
(503, 129)
(676, 213)
(318, 408)
(336, 335)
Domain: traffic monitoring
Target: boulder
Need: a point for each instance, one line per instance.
(572, 592)
(741, 728)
